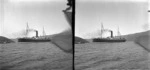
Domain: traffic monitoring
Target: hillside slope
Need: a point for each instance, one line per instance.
(79, 40)
(133, 37)
(5, 40)
(142, 39)
(63, 40)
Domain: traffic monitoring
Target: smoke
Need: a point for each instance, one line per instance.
(93, 34)
(97, 33)
(31, 30)
(21, 33)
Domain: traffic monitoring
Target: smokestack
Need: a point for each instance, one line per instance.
(36, 33)
(111, 34)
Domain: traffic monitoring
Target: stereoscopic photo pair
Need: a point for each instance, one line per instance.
(74, 35)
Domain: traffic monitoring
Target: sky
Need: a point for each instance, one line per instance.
(130, 16)
(15, 14)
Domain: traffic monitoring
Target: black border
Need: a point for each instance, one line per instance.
(73, 32)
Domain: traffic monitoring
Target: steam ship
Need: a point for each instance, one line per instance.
(109, 39)
(34, 39)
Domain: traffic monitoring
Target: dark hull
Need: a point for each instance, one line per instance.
(108, 40)
(32, 40)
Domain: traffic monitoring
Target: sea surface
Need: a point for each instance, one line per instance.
(34, 56)
(111, 56)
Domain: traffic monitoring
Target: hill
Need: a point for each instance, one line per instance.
(142, 38)
(79, 40)
(63, 40)
(5, 40)
(144, 41)
(133, 37)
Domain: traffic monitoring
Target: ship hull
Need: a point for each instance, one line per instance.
(32, 40)
(108, 40)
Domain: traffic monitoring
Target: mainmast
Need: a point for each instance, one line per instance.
(102, 29)
(44, 32)
(118, 32)
(27, 29)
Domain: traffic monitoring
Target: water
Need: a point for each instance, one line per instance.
(34, 56)
(111, 56)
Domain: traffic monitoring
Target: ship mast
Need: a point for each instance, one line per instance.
(44, 32)
(102, 29)
(118, 33)
(27, 29)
